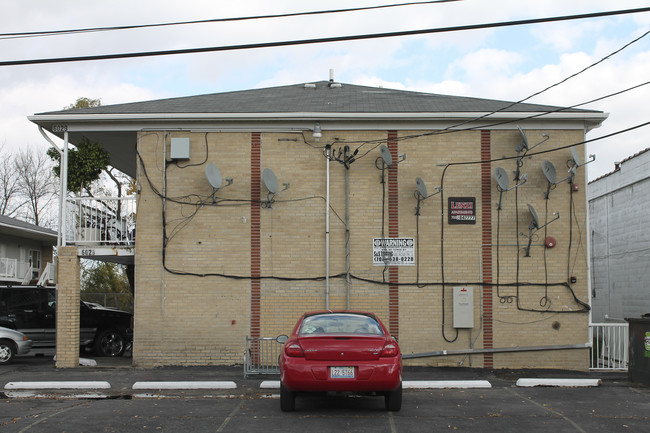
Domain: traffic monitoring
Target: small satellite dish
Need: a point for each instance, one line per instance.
(534, 224)
(576, 157)
(524, 140)
(385, 155)
(422, 188)
(549, 172)
(270, 181)
(214, 175)
(501, 177)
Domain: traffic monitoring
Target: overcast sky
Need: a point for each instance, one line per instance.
(507, 63)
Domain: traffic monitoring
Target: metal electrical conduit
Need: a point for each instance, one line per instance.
(496, 350)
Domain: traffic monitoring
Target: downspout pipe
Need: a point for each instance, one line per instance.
(328, 151)
(64, 189)
(347, 230)
(62, 194)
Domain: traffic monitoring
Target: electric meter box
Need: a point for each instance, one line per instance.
(180, 148)
(463, 307)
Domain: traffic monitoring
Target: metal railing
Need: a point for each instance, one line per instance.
(8, 268)
(609, 349)
(261, 356)
(100, 220)
(14, 270)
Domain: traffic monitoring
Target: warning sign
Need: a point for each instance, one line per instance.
(393, 252)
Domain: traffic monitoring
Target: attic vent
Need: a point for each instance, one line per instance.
(310, 86)
(335, 85)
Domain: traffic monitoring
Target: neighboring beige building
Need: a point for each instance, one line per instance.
(214, 265)
(25, 252)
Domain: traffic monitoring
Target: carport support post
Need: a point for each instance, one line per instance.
(68, 298)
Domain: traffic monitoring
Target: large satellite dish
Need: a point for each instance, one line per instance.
(385, 155)
(270, 181)
(422, 188)
(534, 223)
(501, 177)
(549, 172)
(214, 175)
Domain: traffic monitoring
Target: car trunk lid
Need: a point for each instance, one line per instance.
(342, 347)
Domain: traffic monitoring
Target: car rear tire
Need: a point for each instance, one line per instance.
(287, 400)
(7, 352)
(393, 400)
(110, 343)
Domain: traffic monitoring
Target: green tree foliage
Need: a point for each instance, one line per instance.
(107, 284)
(87, 161)
(85, 164)
(83, 102)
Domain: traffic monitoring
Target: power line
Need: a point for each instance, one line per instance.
(20, 35)
(320, 40)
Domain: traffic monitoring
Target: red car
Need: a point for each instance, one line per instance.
(341, 351)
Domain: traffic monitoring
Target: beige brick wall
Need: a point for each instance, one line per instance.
(67, 308)
(193, 319)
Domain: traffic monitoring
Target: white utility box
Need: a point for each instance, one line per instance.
(180, 148)
(463, 307)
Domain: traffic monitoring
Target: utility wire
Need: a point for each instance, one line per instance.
(20, 35)
(320, 40)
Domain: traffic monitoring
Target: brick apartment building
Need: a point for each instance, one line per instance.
(317, 206)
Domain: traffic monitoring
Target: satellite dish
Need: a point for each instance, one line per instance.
(576, 157)
(214, 175)
(385, 155)
(549, 172)
(534, 224)
(524, 140)
(501, 177)
(270, 181)
(422, 188)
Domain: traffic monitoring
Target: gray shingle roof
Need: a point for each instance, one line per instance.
(322, 98)
(21, 228)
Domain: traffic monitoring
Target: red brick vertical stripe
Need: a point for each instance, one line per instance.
(256, 177)
(393, 232)
(486, 218)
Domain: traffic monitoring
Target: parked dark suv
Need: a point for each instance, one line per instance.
(32, 311)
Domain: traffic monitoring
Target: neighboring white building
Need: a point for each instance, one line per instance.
(619, 217)
(25, 251)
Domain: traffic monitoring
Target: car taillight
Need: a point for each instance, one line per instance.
(389, 350)
(293, 349)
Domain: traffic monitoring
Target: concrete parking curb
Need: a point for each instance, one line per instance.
(58, 385)
(186, 385)
(525, 382)
(445, 384)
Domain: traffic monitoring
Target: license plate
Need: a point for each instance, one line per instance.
(342, 372)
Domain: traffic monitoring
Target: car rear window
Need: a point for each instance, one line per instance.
(340, 324)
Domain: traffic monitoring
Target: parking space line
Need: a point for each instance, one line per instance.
(230, 416)
(552, 411)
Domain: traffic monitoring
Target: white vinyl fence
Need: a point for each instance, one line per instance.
(609, 349)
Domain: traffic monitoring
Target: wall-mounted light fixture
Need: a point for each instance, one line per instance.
(318, 133)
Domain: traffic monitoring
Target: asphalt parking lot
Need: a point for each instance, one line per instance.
(614, 404)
